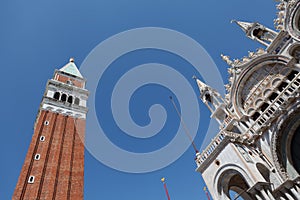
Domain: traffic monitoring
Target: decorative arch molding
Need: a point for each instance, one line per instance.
(281, 142)
(293, 21)
(294, 50)
(246, 72)
(222, 180)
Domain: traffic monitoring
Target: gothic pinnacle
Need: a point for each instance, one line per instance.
(281, 6)
(226, 59)
(251, 54)
(245, 26)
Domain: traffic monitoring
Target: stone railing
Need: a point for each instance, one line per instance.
(275, 107)
(201, 157)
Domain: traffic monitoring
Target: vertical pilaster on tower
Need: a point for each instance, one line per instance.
(54, 164)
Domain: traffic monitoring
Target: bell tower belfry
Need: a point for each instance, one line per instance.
(54, 164)
(256, 153)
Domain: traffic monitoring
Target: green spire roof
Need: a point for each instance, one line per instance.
(71, 68)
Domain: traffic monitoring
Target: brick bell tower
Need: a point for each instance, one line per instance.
(54, 164)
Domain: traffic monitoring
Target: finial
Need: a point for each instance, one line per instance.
(251, 54)
(279, 27)
(260, 51)
(227, 96)
(194, 77)
(236, 61)
(228, 87)
(280, 6)
(226, 59)
(291, 3)
(245, 59)
(230, 71)
(71, 60)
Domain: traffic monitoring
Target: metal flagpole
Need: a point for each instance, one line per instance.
(165, 186)
(184, 126)
(207, 195)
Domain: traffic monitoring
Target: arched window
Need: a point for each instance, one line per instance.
(292, 75)
(70, 99)
(56, 95)
(63, 97)
(255, 116)
(273, 96)
(232, 185)
(77, 101)
(264, 106)
(265, 172)
(282, 86)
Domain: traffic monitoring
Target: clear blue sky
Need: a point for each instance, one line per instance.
(37, 37)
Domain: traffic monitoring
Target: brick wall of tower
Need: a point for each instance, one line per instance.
(59, 172)
(64, 79)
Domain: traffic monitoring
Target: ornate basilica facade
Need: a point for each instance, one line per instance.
(256, 153)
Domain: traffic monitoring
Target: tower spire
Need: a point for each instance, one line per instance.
(213, 100)
(258, 32)
(245, 26)
(208, 94)
(71, 68)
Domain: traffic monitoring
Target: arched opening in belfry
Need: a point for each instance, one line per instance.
(63, 97)
(56, 95)
(76, 102)
(234, 186)
(70, 99)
